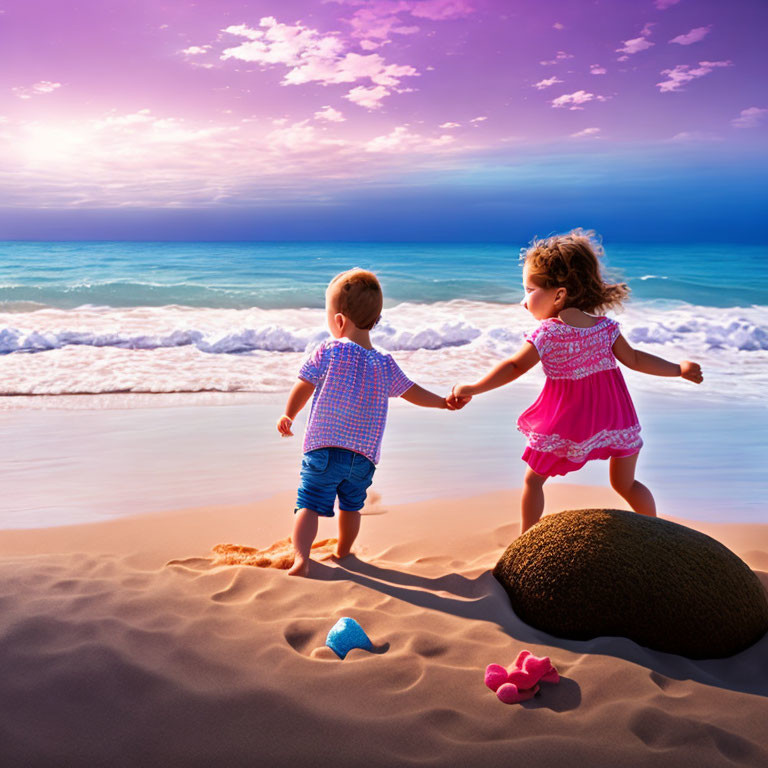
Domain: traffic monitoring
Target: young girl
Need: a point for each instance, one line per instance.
(584, 411)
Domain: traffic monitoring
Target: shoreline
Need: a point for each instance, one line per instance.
(76, 466)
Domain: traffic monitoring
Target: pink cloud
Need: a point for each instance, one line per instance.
(38, 89)
(685, 137)
(367, 97)
(382, 18)
(692, 37)
(547, 83)
(313, 57)
(439, 10)
(662, 5)
(596, 69)
(586, 133)
(750, 117)
(329, 114)
(450, 125)
(678, 76)
(400, 139)
(561, 56)
(575, 99)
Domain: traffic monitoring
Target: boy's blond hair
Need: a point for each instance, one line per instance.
(357, 294)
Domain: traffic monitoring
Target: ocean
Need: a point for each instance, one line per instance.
(82, 318)
(109, 353)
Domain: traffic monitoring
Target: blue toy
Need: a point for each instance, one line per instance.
(345, 635)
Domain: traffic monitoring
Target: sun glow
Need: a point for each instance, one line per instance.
(45, 144)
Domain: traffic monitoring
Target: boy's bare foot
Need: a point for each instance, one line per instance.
(300, 567)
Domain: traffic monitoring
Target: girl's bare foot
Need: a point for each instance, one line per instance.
(300, 567)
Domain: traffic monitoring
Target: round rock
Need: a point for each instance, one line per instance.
(584, 573)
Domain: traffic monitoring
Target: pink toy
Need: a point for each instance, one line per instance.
(509, 693)
(495, 676)
(520, 683)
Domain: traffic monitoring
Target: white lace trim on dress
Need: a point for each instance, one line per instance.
(623, 439)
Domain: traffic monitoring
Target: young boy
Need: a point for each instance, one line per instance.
(352, 383)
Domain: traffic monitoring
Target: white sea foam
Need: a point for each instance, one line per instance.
(181, 349)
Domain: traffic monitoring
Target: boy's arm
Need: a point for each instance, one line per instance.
(655, 366)
(506, 371)
(297, 399)
(423, 397)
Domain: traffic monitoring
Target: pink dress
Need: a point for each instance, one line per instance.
(584, 411)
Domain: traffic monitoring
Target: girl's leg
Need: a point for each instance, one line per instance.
(304, 532)
(622, 472)
(349, 527)
(532, 500)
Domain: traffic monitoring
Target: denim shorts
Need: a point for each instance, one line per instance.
(330, 472)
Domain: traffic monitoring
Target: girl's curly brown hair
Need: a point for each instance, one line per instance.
(572, 261)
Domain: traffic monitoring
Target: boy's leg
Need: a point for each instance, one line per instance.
(352, 494)
(349, 527)
(532, 499)
(622, 474)
(304, 532)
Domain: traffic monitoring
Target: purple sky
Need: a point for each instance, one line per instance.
(108, 103)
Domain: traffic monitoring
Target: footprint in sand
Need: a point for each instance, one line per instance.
(278, 555)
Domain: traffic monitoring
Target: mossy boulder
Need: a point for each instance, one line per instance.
(584, 573)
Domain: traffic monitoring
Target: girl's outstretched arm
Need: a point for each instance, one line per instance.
(297, 399)
(507, 370)
(656, 366)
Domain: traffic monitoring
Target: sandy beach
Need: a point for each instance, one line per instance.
(128, 643)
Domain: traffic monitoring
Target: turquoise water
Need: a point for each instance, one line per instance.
(99, 319)
(285, 275)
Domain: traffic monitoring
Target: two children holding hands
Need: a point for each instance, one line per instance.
(584, 411)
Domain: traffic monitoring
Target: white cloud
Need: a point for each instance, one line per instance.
(678, 76)
(575, 99)
(635, 45)
(560, 56)
(403, 140)
(586, 132)
(196, 50)
(685, 137)
(367, 97)
(547, 83)
(480, 119)
(142, 116)
(352, 67)
(280, 43)
(699, 33)
(330, 114)
(298, 137)
(312, 57)
(38, 89)
(448, 126)
(750, 117)
(596, 69)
